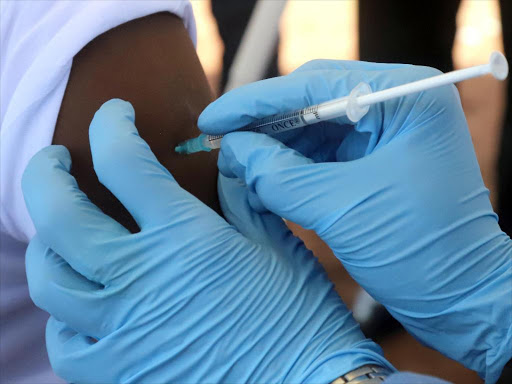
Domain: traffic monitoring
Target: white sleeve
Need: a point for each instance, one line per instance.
(38, 42)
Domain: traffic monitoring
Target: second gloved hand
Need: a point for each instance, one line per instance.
(191, 298)
(398, 197)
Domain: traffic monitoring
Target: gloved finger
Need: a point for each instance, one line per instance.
(346, 65)
(321, 141)
(314, 82)
(252, 198)
(64, 217)
(317, 196)
(126, 165)
(75, 357)
(259, 227)
(382, 123)
(61, 291)
(244, 105)
(276, 174)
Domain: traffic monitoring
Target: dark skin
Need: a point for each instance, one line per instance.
(152, 63)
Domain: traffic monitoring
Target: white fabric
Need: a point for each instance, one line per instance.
(38, 42)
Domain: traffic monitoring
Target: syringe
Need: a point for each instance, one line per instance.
(354, 106)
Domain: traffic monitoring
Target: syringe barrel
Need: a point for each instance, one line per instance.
(310, 115)
(280, 123)
(275, 124)
(270, 125)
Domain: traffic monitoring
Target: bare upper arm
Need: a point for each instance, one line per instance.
(150, 62)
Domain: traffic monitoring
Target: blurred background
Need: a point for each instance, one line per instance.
(329, 29)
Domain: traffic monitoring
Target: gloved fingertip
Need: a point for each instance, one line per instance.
(234, 150)
(207, 121)
(54, 154)
(222, 116)
(51, 157)
(227, 186)
(118, 106)
(234, 110)
(110, 114)
(112, 126)
(225, 166)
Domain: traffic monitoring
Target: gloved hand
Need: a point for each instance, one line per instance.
(398, 197)
(189, 299)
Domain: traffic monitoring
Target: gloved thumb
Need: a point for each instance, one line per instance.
(279, 178)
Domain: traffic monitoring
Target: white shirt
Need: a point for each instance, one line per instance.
(38, 42)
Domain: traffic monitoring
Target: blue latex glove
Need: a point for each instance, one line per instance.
(189, 299)
(398, 197)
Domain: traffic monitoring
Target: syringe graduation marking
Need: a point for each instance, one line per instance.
(214, 137)
(279, 123)
(313, 109)
(271, 120)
